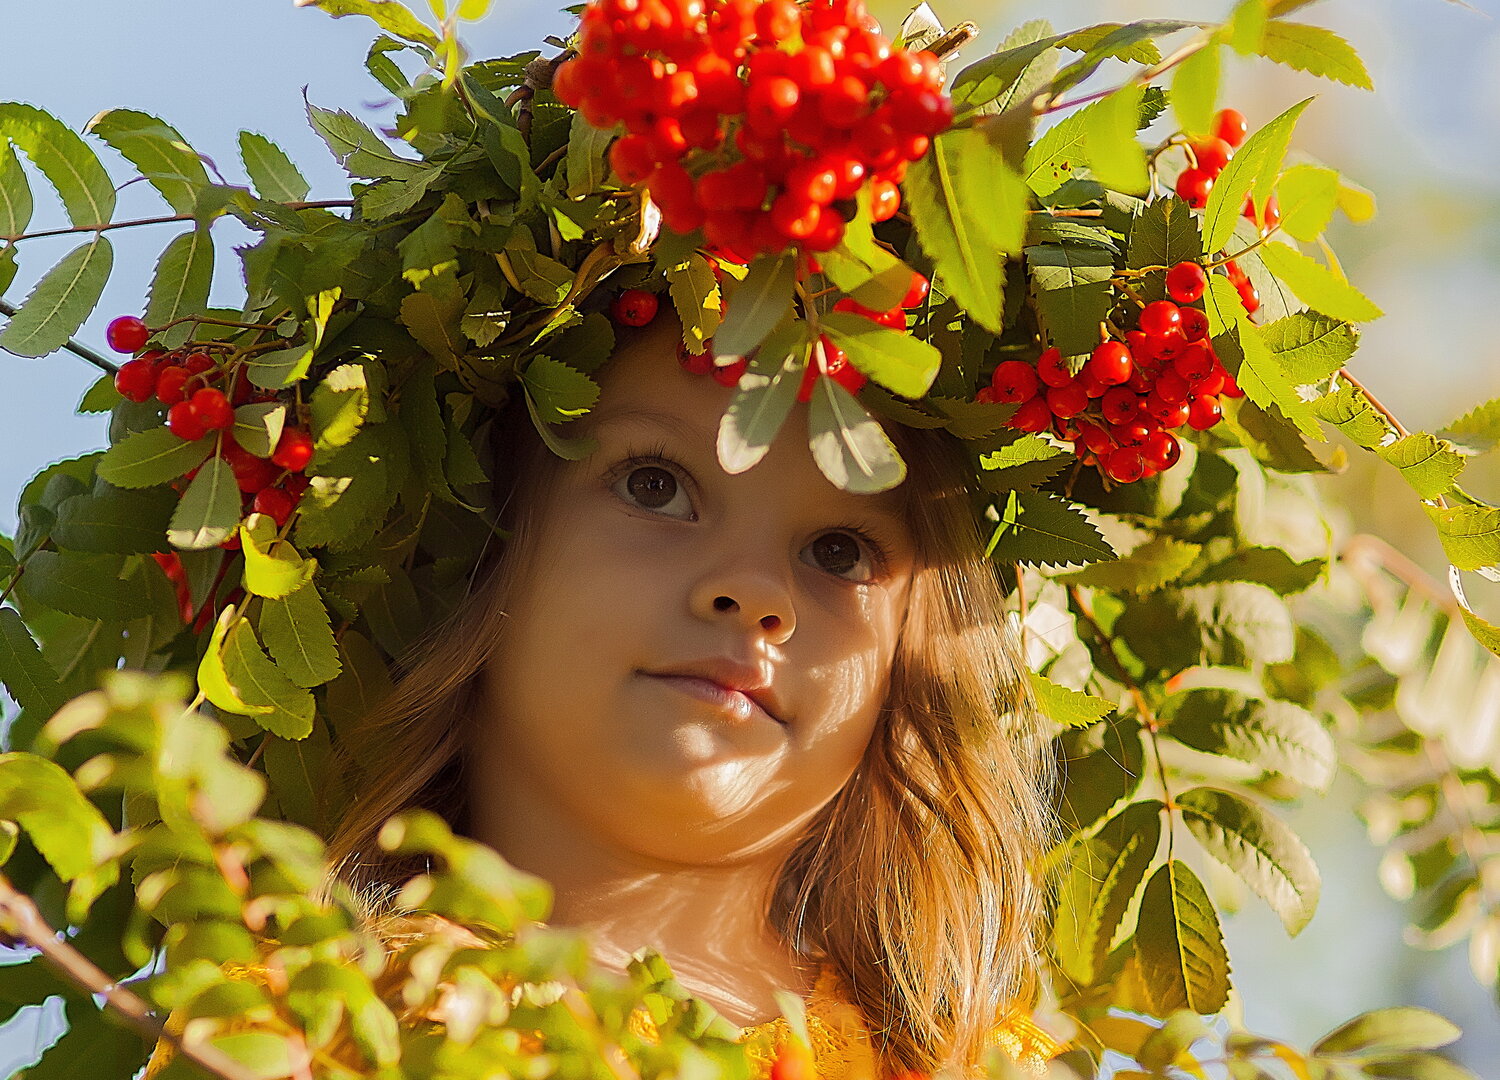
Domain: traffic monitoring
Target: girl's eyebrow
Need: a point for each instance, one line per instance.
(889, 504)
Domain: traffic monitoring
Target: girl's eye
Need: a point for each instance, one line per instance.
(652, 483)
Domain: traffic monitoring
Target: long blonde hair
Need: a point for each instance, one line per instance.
(917, 882)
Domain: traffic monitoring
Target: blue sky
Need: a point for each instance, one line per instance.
(1427, 143)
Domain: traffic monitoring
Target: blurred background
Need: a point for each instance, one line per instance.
(1427, 143)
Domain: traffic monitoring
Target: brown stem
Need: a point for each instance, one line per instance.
(1078, 212)
(1379, 406)
(9, 311)
(1042, 102)
(21, 916)
(1265, 238)
(18, 237)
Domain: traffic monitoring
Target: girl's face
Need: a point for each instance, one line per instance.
(649, 565)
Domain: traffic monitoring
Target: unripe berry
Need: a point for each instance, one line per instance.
(127, 334)
(1186, 282)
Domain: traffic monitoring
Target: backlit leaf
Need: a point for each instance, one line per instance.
(1276, 735)
(764, 397)
(1116, 157)
(851, 448)
(15, 194)
(69, 164)
(390, 15)
(1428, 464)
(1179, 945)
(1404, 1027)
(1316, 50)
(1159, 561)
(64, 297)
(1307, 195)
(1317, 286)
(156, 148)
(1478, 430)
(903, 364)
(1470, 534)
(1195, 90)
(1255, 165)
(756, 306)
(1065, 706)
(273, 567)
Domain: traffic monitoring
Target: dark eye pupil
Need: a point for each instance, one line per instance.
(843, 548)
(654, 491)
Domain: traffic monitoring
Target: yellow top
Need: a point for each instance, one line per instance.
(841, 1044)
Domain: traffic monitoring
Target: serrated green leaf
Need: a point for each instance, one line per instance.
(270, 170)
(1103, 765)
(1160, 561)
(15, 194)
(296, 630)
(1247, 26)
(764, 398)
(67, 829)
(1056, 155)
(1179, 945)
(1352, 412)
(91, 586)
(1164, 232)
(273, 568)
(1310, 346)
(1073, 294)
(1268, 566)
(1470, 534)
(280, 706)
(68, 163)
(993, 80)
(1195, 90)
(697, 298)
(903, 364)
(1041, 529)
(1231, 624)
(358, 149)
(1404, 1027)
(1257, 846)
(156, 148)
(850, 447)
(1067, 707)
(1276, 735)
(1024, 463)
(1254, 167)
(390, 15)
(258, 426)
(1265, 380)
(1317, 286)
(29, 679)
(757, 306)
(1478, 430)
(1316, 50)
(863, 268)
(209, 510)
(1428, 464)
(115, 522)
(1119, 855)
(180, 286)
(339, 406)
(588, 157)
(1131, 42)
(969, 209)
(559, 392)
(64, 297)
(1116, 157)
(154, 456)
(8, 267)
(1307, 195)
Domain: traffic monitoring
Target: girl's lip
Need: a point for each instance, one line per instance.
(738, 704)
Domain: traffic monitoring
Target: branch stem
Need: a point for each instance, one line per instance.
(325, 204)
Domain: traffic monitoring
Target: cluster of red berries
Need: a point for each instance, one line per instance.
(757, 146)
(177, 379)
(1119, 410)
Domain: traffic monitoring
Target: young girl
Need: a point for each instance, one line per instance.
(856, 819)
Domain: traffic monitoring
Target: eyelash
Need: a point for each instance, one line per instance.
(656, 454)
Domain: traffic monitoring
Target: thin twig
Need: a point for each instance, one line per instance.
(1042, 101)
(9, 311)
(18, 237)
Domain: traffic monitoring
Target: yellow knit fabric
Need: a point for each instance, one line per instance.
(841, 1043)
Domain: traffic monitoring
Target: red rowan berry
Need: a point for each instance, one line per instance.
(127, 334)
(1161, 450)
(1067, 401)
(1124, 465)
(1204, 412)
(777, 20)
(771, 102)
(198, 362)
(1194, 324)
(184, 422)
(1052, 368)
(634, 307)
(885, 200)
(275, 503)
(1133, 432)
(1014, 380)
(1230, 125)
(1195, 362)
(1119, 405)
(170, 383)
(795, 215)
(1212, 383)
(1160, 319)
(1032, 415)
(1186, 282)
(136, 379)
(694, 363)
(1110, 363)
(730, 374)
(1193, 187)
(985, 395)
(294, 449)
(1231, 387)
(213, 408)
(1211, 154)
(1094, 437)
(918, 291)
(1249, 297)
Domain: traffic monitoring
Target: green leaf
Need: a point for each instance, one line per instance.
(1119, 855)
(258, 426)
(994, 80)
(115, 522)
(1257, 846)
(280, 706)
(340, 405)
(1268, 566)
(697, 298)
(270, 170)
(1352, 412)
(1310, 346)
(389, 15)
(29, 679)
(62, 299)
(1116, 157)
(1316, 50)
(1470, 534)
(1195, 90)
(8, 266)
(1247, 26)
(1131, 42)
(1383, 1031)
(764, 397)
(15, 194)
(1040, 529)
(1056, 155)
(1478, 430)
(1317, 286)
(588, 157)
(1068, 707)
(1307, 196)
(559, 392)
(969, 209)
(151, 457)
(345, 504)
(1072, 293)
(158, 151)
(1254, 166)
(1102, 765)
(903, 364)
(358, 149)
(1415, 1067)
(1159, 561)
(757, 306)
(1024, 463)
(297, 632)
(1179, 945)
(273, 567)
(91, 586)
(213, 678)
(1428, 464)
(1275, 735)
(68, 163)
(209, 510)
(1164, 232)
(67, 829)
(1264, 378)
(863, 268)
(181, 284)
(851, 448)
(1231, 624)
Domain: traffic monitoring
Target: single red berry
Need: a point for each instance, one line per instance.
(198, 362)
(1195, 362)
(255, 474)
(1212, 154)
(694, 363)
(1212, 383)
(1067, 401)
(1236, 272)
(1161, 450)
(1161, 319)
(985, 395)
(1249, 297)
(920, 287)
(276, 503)
(1110, 363)
(1231, 126)
(127, 334)
(1171, 387)
(184, 422)
(136, 379)
(770, 103)
(296, 484)
(730, 375)
(1119, 405)
(1194, 324)
(293, 450)
(1231, 387)
(1094, 437)
(885, 200)
(1052, 368)
(1033, 415)
(777, 20)
(1014, 380)
(634, 307)
(1124, 465)
(1186, 282)
(213, 408)
(812, 181)
(1166, 414)
(1091, 384)
(1204, 412)
(1134, 432)
(1193, 187)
